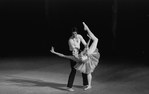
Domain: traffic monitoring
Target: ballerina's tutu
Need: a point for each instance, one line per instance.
(87, 66)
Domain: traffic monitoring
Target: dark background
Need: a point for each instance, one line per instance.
(31, 27)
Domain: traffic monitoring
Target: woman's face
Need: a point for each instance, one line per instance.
(75, 53)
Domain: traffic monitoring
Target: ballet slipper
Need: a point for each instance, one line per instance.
(70, 89)
(88, 87)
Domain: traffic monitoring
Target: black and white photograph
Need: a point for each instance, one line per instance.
(74, 47)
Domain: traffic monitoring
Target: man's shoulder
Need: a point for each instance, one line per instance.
(79, 35)
(70, 39)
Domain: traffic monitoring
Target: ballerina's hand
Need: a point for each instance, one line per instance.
(52, 49)
(89, 36)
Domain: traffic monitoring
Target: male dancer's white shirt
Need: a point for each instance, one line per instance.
(75, 42)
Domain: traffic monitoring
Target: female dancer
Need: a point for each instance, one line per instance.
(88, 59)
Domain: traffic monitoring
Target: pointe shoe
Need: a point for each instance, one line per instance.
(70, 89)
(88, 87)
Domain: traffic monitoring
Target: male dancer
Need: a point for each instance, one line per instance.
(74, 46)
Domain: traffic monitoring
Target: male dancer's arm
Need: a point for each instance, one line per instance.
(70, 43)
(82, 40)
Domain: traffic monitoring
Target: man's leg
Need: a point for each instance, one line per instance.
(85, 80)
(72, 74)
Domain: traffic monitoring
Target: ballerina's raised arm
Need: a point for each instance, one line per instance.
(62, 55)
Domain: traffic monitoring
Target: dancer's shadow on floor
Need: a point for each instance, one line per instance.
(23, 82)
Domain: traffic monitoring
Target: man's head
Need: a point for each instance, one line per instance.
(74, 31)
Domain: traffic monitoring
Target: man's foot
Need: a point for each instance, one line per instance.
(85, 86)
(70, 89)
(88, 87)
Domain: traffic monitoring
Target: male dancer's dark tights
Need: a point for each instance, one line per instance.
(72, 75)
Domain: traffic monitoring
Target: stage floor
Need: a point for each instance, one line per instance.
(49, 75)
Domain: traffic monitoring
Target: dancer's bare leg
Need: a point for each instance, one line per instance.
(89, 77)
(91, 50)
(93, 46)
